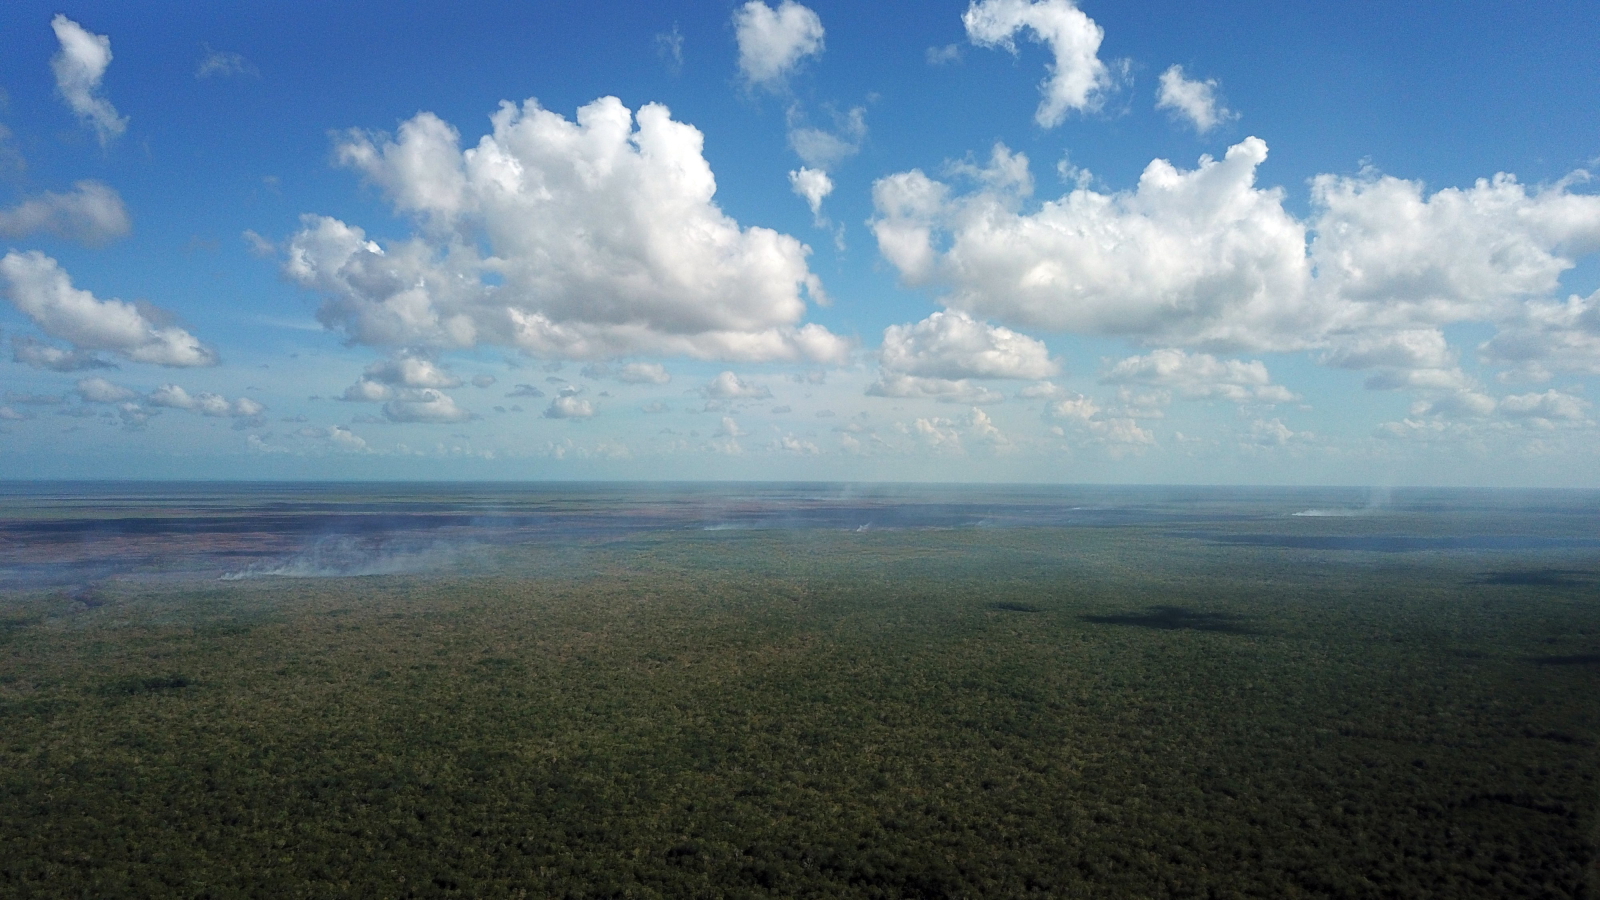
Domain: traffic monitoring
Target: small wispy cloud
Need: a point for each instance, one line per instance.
(669, 46)
(223, 64)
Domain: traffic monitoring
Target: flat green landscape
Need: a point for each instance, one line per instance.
(1124, 711)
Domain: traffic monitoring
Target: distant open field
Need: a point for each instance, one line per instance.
(813, 691)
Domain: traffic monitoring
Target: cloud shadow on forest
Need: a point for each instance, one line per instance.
(1177, 618)
(1577, 659)
(1537, 578)
(1012, 606)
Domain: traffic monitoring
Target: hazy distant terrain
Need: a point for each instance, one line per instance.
(797, 690)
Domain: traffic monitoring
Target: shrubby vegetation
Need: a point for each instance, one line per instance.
(1004, 713)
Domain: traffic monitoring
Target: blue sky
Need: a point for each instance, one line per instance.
(996, 241)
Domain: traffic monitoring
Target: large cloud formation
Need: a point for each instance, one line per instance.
(1390, 255)
(1206, 258)
(42, 290)
(602, 235)
(1188, 257)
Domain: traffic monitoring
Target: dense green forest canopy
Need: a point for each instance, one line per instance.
(1130, 711)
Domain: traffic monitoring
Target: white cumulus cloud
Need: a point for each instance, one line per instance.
(1198, 376)
(643, 373)
(1120, 436)
(204, 403)
(337, 437)
(1464, 403)
(945, 390)
(728, 386)
(1077, 79)
(1468, 414)
(79, 67)
(935, 358)
(955, 345)
(39, 355)
(1551, 336)
(940, 434)
(1273, 433)
(603, 240)
(134, 416)
(1206, 258)
(811, 185)
(568, 406)
(1193, 101)
(425, 405)
(1188, 257)
(42, 290)
(99, 390)
(1408, 358)
(788, 443)
(1416, 348)
(1076, 406)
(772, 42)
(1043, 390)
(1393, 255)
(343, 438)
(983, 428)
(91, 213)
(367, 391)
(389, 378)
(1550, 405)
